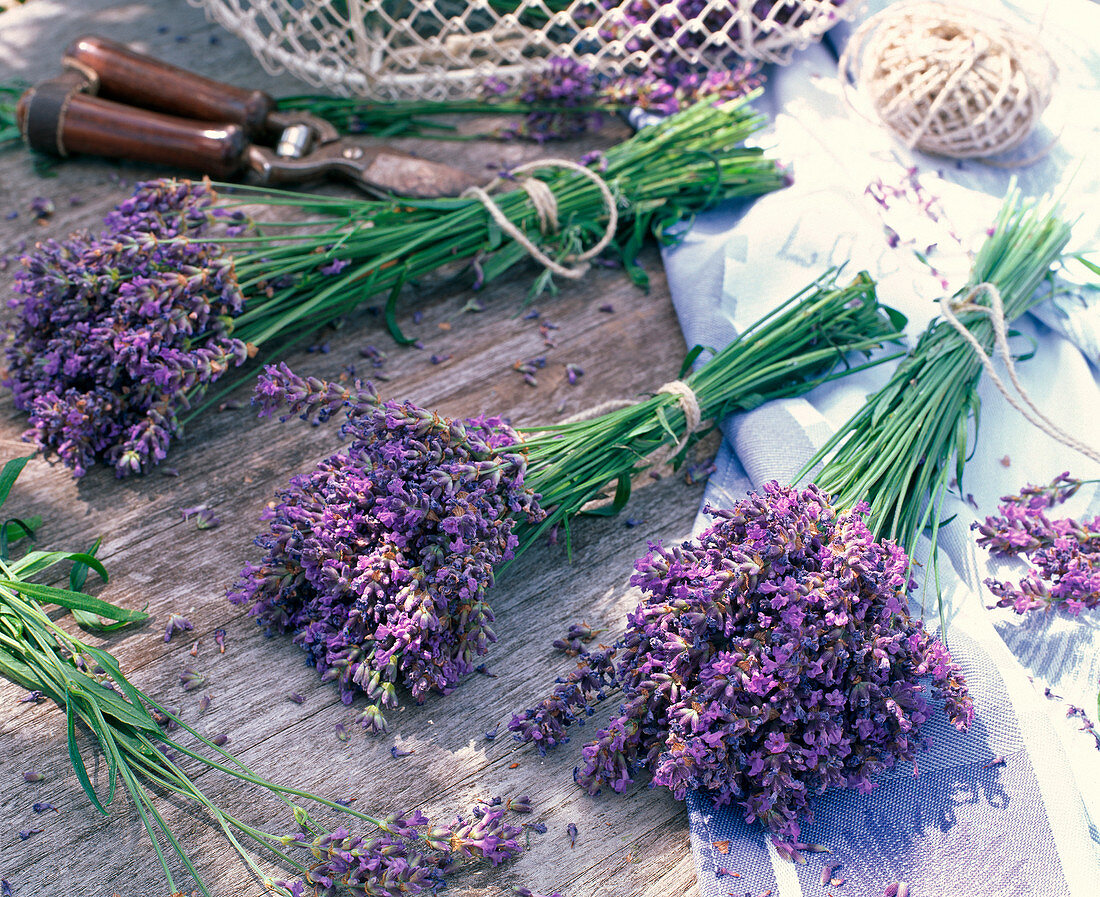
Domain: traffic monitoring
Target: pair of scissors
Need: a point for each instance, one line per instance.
(112, 101)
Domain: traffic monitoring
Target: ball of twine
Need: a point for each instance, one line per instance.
(949, 80)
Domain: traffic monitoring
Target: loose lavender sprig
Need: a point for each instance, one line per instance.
(380, 559)
(772, 657)
(1064, 554)
(565, 99)
(400, 855)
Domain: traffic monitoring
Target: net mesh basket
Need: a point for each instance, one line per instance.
(445, 49)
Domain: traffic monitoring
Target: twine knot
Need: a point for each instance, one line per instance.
(948, 80)
(546, 208)
(996, 313)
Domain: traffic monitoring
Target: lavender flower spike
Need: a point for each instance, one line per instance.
(378, 559)
(116, 333)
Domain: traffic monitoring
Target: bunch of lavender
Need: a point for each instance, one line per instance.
(379, 560)
(115, 331)
(771, 659)
(1064, 554)
(400, 855)
(120, 334)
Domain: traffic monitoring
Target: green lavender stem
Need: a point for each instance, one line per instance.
(896, 452)
(660, 176)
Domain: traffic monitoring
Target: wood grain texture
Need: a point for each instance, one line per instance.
(635, 844)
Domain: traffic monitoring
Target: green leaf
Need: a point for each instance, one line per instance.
(79, 572)
(622, 496)
(22, 528)
(74, 755)
(691, 358)
(10, 474)
(666, 426)
(77, 600)
(36, 561)
(391, 312)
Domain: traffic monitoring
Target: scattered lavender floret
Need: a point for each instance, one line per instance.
(204, 517)
(296, 698)
(342, 733)
(573, 372)
(1064, 554)
(6, 889)
(31, 697)
(220, 740)
(521, 804)
(32, 777)
(44, 807)
(42, 208)
(773, 658)
(176, 623)
(204, 703)
(398, 753)
(191, 679)
(571, 830)
(219, 640)
(378, 559)
(117, 331)
(26, 833)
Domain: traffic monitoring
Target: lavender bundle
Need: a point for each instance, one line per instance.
(399, 855)
(116, 332)
(379, 560)
(120, 335)
(771, 658)
(1064, 555)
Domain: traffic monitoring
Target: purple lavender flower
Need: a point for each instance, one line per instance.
(378, 559)
(117, 332)
(1064, 554)
(176, 623)
(772, 658)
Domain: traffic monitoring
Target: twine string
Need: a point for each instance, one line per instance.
(546, 208)
(996, 313)
(685, 398)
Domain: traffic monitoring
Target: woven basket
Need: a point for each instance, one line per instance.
(446, 49)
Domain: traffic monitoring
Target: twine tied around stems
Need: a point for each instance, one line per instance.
(996, 312)
(685, 398)
(546, 207)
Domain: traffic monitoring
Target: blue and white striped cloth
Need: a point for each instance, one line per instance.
(963, 824)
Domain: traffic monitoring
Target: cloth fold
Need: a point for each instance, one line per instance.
(965, 818)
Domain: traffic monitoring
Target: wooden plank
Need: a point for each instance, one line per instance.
(632, 844)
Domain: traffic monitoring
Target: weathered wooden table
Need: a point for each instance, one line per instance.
(634, 844)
